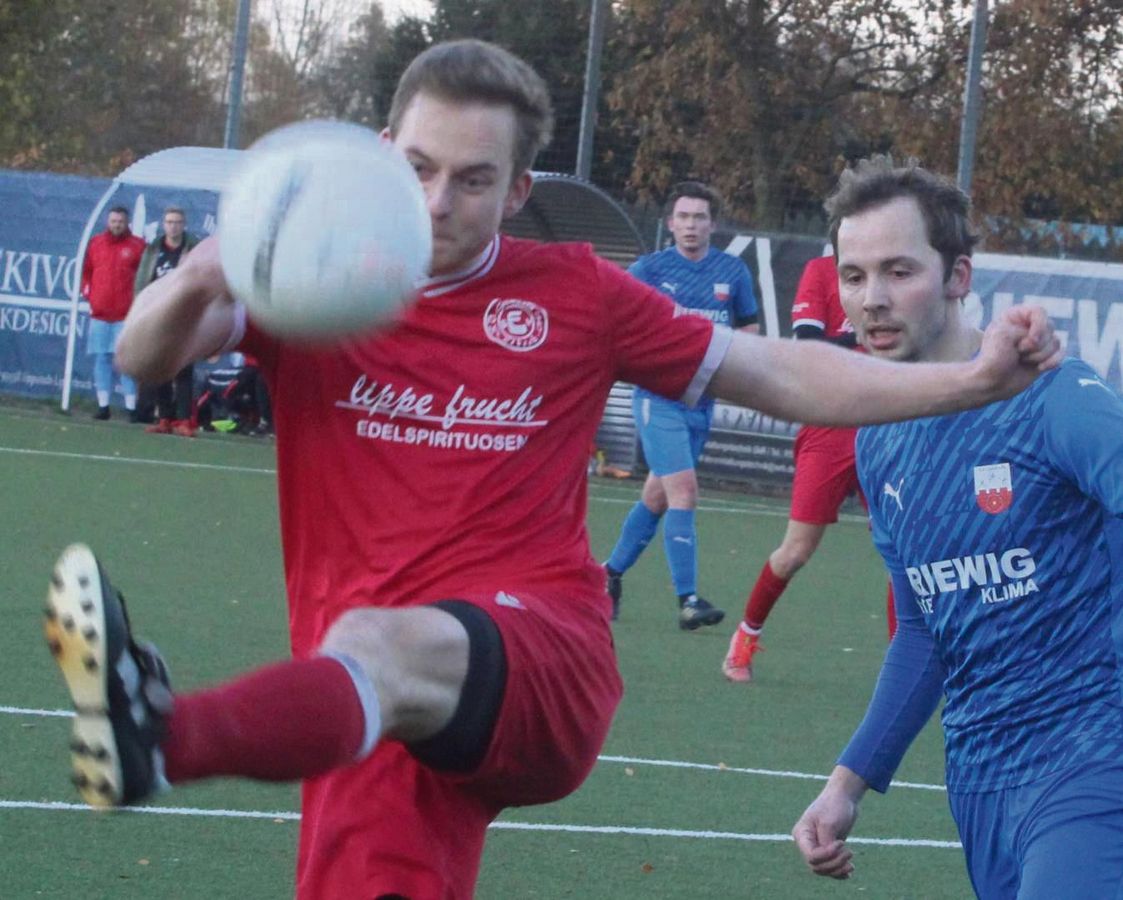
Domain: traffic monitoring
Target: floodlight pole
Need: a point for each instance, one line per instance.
(592, 89)
(971, 92)
(237, 69)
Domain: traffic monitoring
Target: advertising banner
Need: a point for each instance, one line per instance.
(45, 216)
(40, 231)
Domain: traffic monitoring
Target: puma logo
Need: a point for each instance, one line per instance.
(895, 493)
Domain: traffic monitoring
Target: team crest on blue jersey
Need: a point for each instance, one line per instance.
(721, 293)
(518, 325)
(994, 489)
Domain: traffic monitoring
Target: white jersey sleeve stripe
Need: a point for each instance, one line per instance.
(715, 353)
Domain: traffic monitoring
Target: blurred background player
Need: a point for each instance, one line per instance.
(706, 282)
(173, 399)
(824, 473)
(108, 274)
(1002, 530)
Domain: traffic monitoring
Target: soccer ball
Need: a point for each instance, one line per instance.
(323, 231)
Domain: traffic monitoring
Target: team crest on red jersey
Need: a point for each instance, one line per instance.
(721, 292)
(518, 325)
(994, 489)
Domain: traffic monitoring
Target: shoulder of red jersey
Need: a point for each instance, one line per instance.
(826, 263)
(513, 248)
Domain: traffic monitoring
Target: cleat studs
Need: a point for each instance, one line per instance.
(77, 745)
(87, 605)
(80, 780)
(100, 754)
(55, 647)
(90, 663)
(83, 581)
(89, 633)
(56, 581)
(50, 613)
(104, 788)
(68, 623)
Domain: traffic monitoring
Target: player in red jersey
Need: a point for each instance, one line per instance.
(825, 474)
(452, 652)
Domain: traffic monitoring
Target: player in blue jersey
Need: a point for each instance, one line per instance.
(703, 281)
(1002, 529)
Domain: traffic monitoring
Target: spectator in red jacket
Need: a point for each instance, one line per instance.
(108, 272)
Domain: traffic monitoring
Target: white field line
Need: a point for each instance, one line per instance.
(716, 504)
(720, 506)
(137, 461)
(623, 760)
(278, 816)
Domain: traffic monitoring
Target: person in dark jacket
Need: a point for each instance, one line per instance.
(174, 399)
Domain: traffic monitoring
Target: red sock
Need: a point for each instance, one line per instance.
(767, 590)
(283, 722)
(891, 612)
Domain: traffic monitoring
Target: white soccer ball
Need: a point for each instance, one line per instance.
(323, 231)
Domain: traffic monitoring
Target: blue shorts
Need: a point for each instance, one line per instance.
(102, 336)
(1059, 837)
(672, 434)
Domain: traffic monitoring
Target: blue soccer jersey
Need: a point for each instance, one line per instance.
(718, 286)
(1002, 529)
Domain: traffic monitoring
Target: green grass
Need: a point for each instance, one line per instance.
(188, 528)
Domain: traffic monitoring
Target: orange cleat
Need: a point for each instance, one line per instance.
(163, 426)
(738, 663)
(183, 428)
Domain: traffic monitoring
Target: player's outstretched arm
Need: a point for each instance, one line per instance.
(821, 832)
(824, 385)
(184, 316)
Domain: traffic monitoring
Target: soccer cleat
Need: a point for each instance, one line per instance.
(614, 584)
(163, 426)
(102, 414)
(738, 663)
(183, 428)
(696, 612)
(120, 689)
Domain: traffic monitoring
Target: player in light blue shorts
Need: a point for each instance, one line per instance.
(1002, 529)
(101, 344)
(706, 282)
(673, 435)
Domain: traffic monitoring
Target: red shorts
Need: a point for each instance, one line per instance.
(391, 825)
(824, 473)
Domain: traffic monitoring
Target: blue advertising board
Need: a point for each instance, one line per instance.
(44, 216)
(41, 225)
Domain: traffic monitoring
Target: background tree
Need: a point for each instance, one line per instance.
(1050, 145)
(762, 98)
(92, 85)
(768, 99)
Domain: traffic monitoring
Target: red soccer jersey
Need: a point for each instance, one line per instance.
(449, 453)
(108, 271)
(817, 301)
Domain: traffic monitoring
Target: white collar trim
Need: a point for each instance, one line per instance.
(478, 268)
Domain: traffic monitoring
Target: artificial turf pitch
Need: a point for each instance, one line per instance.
(700, 780)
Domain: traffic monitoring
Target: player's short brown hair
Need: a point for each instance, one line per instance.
(476, 71)
(696, 190)
(875, 181)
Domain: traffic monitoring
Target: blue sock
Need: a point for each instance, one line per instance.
(680, 540)
(636, 533)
